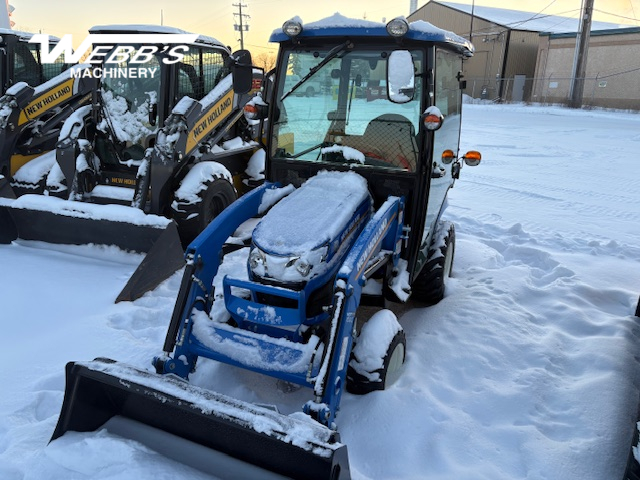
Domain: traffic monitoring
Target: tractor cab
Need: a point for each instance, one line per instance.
(403, 140)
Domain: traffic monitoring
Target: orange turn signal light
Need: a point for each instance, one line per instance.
(251, 111)
(472, 158)
(448, 156)
(433, 122)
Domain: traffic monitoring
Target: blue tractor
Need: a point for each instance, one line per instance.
(350, 214)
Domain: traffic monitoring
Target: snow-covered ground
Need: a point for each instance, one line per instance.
(526, 369)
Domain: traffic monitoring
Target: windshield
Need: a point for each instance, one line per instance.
(129, 92)
(341, 113)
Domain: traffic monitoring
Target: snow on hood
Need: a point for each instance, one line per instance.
(312, 215)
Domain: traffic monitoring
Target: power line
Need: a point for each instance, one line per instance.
(615, 15)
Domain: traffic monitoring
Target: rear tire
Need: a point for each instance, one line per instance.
(430, 285)
(194, 218)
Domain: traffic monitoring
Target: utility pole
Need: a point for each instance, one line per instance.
(580, 60)
(241, 26)
(473, 8)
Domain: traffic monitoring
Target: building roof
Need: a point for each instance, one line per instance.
(528, 21)
(597, 33)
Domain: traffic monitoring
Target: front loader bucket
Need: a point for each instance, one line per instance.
(53, 220)
(163, 259)
(99, 390)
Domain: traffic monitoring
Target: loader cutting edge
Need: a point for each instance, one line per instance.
(99, 390)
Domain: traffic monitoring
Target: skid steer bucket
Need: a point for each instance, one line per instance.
(53, 220)
(290, 446)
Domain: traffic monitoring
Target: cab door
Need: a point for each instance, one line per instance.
(448, 98)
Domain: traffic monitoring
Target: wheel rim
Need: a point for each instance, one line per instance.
(395, 365)
(448, 261)
(215, 206)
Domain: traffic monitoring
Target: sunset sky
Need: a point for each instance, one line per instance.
(215, 17)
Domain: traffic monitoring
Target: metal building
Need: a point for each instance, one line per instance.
(612, 79)
(506, 42)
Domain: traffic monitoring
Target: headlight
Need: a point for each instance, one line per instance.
(303, 268)
(292, 28)
(398, 27)
(256, 259)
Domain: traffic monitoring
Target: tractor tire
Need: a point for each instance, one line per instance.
(429, 286)
(194, 218)
(361, 382)
(633, 466)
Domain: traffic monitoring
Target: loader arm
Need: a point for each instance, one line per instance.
(203, 259)
(382, 233)
(192, 130)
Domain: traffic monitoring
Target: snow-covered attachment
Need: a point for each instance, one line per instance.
(294, 445)
(350, 213)
(147, 145)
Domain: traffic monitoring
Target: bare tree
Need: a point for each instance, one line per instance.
(265, 60)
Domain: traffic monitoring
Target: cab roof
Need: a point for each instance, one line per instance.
(22, 36)
(151, 29)
(341, 26)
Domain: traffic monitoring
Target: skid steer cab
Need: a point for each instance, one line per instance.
(351, 213)
(163, 142)
(35, 100)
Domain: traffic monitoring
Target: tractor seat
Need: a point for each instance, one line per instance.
(391, 138)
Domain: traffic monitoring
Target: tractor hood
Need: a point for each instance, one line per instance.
(300, 236)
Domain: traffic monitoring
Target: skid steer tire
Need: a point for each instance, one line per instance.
(429, 286)
(194, 218)
(394, 356)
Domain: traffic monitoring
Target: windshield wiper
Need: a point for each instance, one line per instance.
(333, 53)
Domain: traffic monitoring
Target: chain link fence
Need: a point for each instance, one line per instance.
(618, 90)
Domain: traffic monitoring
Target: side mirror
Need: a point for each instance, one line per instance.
(400, 76)
(242, 71)
(472, 158)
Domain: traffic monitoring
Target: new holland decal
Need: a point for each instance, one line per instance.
(47, 100)
(216, 114)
